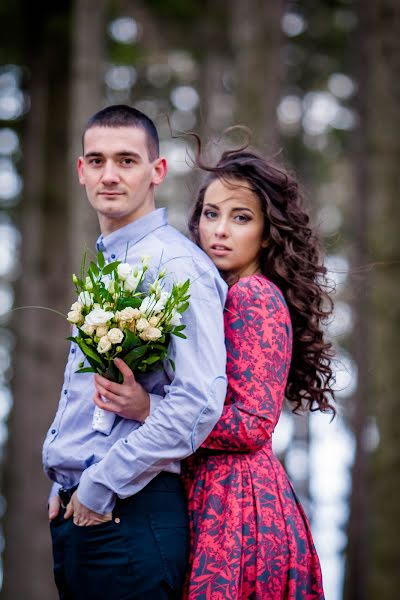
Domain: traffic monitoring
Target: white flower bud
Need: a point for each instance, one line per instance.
(88, 284)
(88, 329)
(123, 270)
(104, 345)
(85, 298)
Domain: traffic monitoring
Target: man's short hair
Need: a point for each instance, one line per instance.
(121, 115)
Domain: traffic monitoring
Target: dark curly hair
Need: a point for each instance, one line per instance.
(291, 260)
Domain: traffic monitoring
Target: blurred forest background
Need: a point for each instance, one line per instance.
(318, 83)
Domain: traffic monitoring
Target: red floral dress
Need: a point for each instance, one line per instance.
(250, 538)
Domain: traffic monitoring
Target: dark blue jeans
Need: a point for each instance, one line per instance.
(141, 554)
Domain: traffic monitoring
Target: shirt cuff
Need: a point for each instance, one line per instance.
(155, 400)
(54, 490)
(95, 496)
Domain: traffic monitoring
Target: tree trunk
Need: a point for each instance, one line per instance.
(383, 101)
(87, 83)
(357, 548)
(257, 41)
(40, 351)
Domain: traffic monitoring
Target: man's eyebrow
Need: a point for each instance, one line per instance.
(121, 153)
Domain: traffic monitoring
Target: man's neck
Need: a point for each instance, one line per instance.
(108, 225)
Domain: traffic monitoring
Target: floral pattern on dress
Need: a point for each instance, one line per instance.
(250, 538)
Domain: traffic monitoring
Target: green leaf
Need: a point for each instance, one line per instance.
(94, 269)
(111, 267)
(88, 351)
(135, 354)
(100, 259)
(130, 341)
(86, 370)
(171, 362)
(152, 359)
(178, 334)
(183, 307)
(70, 338)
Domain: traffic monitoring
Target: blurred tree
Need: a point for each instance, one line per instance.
(257, 42)
(55, 225)
(86, 97)
(40, 351)
(382, 38)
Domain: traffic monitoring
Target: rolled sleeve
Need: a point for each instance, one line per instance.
(181, 420)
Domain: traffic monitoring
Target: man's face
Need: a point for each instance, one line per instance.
(118, 175)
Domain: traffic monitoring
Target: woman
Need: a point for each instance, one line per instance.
(250, 536)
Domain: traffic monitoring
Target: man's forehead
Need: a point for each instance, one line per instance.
(115, 139)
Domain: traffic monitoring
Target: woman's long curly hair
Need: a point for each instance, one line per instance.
(292, 261)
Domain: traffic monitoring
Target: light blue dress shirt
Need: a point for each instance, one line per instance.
(185, 404)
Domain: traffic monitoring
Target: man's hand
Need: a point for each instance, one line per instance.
(54, 507)
(129, 399)
(82, 515)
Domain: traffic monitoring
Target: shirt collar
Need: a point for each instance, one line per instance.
(117, 242)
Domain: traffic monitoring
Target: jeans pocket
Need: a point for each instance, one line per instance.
(171, 534)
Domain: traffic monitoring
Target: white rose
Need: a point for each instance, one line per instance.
(123, 270)
(153, 322)
(131, 283)
(101, 331)
(85, 298)
(142, 324)
(75, 316)
(175, 319)
(104, 345)
(115, 335)
(88, 329)
(98, 316)
(128, 314)
(77, 306)
(151, 334)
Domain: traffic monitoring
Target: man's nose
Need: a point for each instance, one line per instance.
(110, 173)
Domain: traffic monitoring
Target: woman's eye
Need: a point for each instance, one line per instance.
(210, 214)
(242, 218)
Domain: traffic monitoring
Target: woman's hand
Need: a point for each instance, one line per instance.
(128, 399)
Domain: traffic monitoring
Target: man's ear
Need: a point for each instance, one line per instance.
(80, 165)
(159, 170)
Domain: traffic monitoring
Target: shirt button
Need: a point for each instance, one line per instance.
(117, 520)
(73, 351)
(113, 256)
(53, 431)
(65, 392)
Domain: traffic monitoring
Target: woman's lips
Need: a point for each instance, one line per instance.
(220, 250)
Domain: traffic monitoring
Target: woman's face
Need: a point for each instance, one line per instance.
(231, 227)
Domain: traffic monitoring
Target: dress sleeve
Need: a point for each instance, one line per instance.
(258, 340)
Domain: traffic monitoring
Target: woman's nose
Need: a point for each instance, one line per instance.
(221, 229)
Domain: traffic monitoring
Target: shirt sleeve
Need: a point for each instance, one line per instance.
(194, 399)
(258, 355)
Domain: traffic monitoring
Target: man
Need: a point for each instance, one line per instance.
(117, 511)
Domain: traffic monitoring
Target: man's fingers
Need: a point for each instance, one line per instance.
(111, 398)
(54, 507)
(69, 511)
(125, 370)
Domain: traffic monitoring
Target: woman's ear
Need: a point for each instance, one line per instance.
(264, 243)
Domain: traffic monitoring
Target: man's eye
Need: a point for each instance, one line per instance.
(127, 161)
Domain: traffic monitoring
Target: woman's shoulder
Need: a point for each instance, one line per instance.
(256, 291)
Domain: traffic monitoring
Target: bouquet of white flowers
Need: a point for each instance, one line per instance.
(115, 317)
